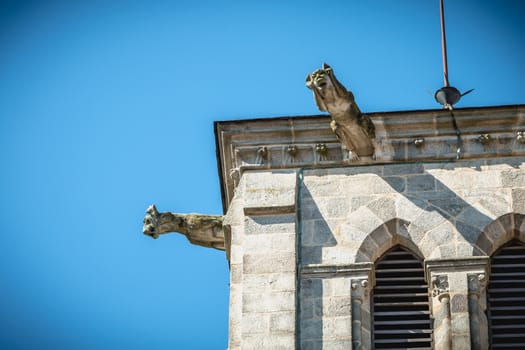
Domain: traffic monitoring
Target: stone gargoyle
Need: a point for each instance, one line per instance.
(355, 130)
(203, 230)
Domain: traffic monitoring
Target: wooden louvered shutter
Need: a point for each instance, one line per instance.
(506, 297)
(400, 303)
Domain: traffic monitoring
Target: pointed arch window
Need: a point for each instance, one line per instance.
(506, 297)
(400, 302)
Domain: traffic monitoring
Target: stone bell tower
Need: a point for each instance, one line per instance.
(370, 231)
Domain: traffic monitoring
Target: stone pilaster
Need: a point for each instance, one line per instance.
(441, 312)
(335, 306)
(360, 300)
(477, 283)
(456, 305)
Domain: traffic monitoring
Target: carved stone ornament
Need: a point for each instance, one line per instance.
(439, 285)
(359, 288)
(203, 230)
(354, 130)
(476, 282)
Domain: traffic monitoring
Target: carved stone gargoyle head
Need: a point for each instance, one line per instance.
(354, 130)
(151, 222)
(325, 87)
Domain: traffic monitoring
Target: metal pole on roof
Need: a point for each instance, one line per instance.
(443, 43)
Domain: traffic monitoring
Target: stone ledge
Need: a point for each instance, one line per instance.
(270, 210)
(358, 270)
(308, 141)
(470, 264)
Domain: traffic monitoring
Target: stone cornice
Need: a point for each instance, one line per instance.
(308, 141)
(469, 264)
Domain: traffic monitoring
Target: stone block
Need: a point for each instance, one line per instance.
(312, 329)
(447, 203)
(369, 247)
(467, 232)
(268, 263)
(264, 189)
(337, 306)
(366, 184)
(410, 207)
(268, 302)
(311, 344)
(282, 322)
(465, 178)
(309, 210)
(337, 344)
(340, 286)
(359, 201)
(461, 342)
(339, 254)
(255, 323)
(396, 183)
(265, 342)
(282, 282)
(258, 243)
(364, 220)
(384, 208)
(255, 283)
(322, 234)
(485, 244)
(311, 288)
(381, 236)
(311, 308)
(459, 304)
(460, 323)
(337, 207)
(474, 217)
(343, 327)
(518, 200)
(447, 251)
(513, 178)
(443, 234)
(236, 254)
(310, 255)
(421, 183)
(235, 273)
(283, 242)
(269, 224)
(323, 187)
(466, 250)
(403, 169)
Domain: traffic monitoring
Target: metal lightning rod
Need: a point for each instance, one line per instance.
(448, 95)
(443, 43)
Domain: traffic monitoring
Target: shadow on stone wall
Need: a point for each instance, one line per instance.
(434, 212)
(314, 232)
(420, 212)
(314, 235)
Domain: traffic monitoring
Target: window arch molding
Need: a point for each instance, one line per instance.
(499, 232)
(384, 238)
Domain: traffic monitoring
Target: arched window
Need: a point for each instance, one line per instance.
(506, 297)
(400, 302)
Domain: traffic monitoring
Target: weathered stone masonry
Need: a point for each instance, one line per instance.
(304, 227)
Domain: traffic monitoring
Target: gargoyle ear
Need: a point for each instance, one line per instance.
(325, 66)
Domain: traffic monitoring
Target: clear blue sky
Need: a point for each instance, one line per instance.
(108, 106)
